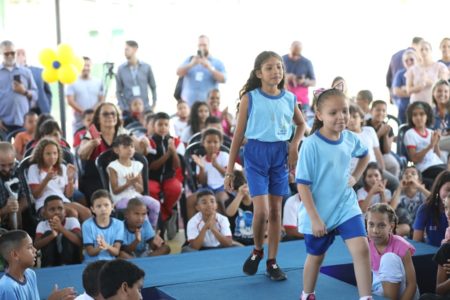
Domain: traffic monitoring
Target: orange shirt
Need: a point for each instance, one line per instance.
(21, 140)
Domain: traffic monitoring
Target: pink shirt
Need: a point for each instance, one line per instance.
(396, 244)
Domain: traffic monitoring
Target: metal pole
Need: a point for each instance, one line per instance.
(62, 103)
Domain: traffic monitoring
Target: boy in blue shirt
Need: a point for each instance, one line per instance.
(19, 281)
(139, 238)
(102, 234)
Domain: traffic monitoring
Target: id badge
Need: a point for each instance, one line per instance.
(136, 90)
(199, 76)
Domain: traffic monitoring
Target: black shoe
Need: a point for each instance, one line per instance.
(275, 273)
(251, 264)
(171, 226)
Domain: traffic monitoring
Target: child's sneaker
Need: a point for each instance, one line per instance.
(275, 273)
(311, 297)
(252, 262)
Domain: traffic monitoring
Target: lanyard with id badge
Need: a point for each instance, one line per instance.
(135, 89)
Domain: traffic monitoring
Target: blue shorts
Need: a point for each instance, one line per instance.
(219, 189)
(351, 228)
(266, 167)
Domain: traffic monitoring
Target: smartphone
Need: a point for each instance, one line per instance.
(16, 78)
(94, 132)
(199, 53)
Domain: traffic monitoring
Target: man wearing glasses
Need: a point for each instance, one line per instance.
(18, 90)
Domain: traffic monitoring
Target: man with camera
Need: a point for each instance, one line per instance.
(299, 74)
(201, 73)
(18, 91)
(132, 80)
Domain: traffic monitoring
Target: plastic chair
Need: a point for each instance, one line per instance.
(198, 137)
(401, 148)
(13, 134)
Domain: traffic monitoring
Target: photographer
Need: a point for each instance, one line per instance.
(201, 72)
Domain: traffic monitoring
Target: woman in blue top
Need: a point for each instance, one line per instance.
(325, 186)
(266, 112)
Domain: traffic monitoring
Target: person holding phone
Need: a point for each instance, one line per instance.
(18, 92)
(201, 73)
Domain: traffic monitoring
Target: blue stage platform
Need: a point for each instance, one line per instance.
(217, 274)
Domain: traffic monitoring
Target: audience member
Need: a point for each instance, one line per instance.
(85, 93)
(444, 46)
(180, 121)
(422, 143)
(121, 280)
(140, 239)
(421, 77)
(19, 281)
(385, 136)
(290, 217)
(136, 115)
(239, 211)
(299, 74)
(430, 222)
(207, 229)
(441, 97)
(44, 98)
(225, 118)
(102, 234)
(202, 73)
(394, 276)
(199, 113)
(47, 175)
(18, 91)
(374, 188)
(363, 100)
(90, 281)
(132, 80)
(163, 183)
(125, 178)
(400, 91)
(23, 138)
(57, 236)
(407, 198)
(87, 117)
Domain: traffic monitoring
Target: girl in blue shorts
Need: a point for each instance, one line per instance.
(266, 116)
(325, 187)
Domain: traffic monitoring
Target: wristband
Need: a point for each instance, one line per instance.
(231, 175)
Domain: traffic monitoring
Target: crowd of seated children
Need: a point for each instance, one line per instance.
(207, 229)
(102, 233)
(164, 161)
(23, 138)
(57, 236)
(374, 188)
(140, 239)
(239, 210)
(125, 178)
(407, 198)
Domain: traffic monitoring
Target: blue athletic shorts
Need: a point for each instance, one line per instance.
(266, 167)
(351, 228)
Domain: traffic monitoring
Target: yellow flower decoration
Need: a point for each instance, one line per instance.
(61, 65)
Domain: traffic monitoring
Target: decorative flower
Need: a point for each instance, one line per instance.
(61, 65)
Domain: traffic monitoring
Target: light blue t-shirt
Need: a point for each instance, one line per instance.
(324, 165)
(112, 233)
(199, 80)
(270, 117)
(10, 288)
(147, 233)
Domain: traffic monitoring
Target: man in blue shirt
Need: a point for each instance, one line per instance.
(18, 91)
(132, 80)
(201, 73)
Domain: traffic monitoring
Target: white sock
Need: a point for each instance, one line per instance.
(305, 295)
(365, 298)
